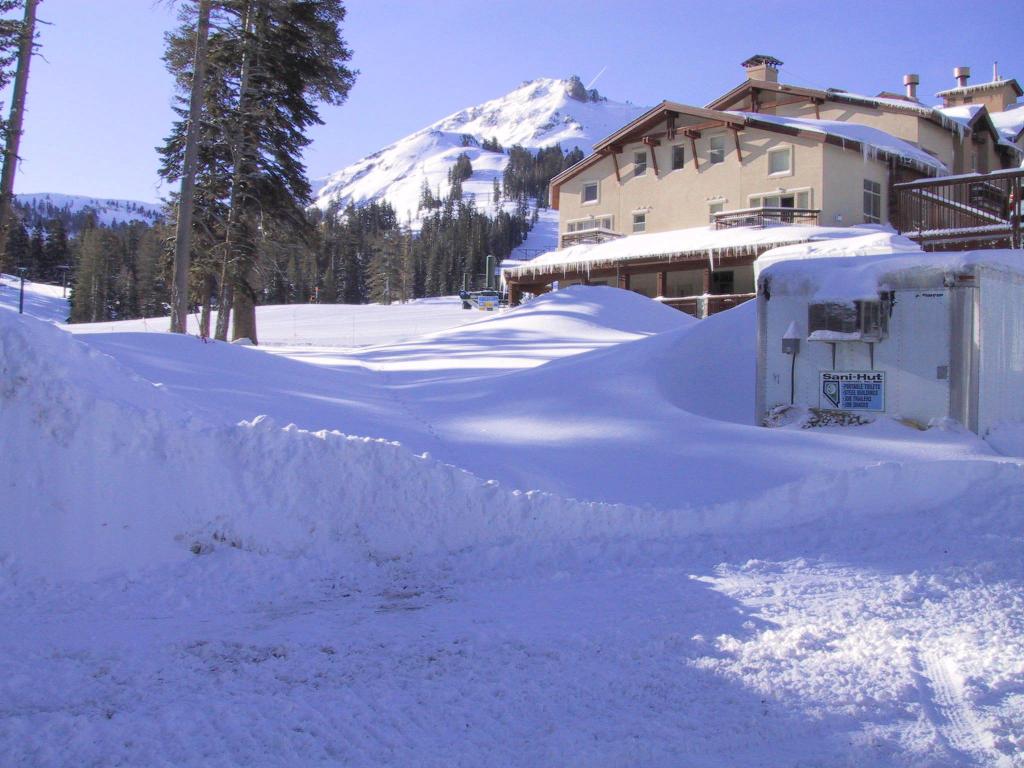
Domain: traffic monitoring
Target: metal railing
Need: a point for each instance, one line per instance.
(765, 216)
(981, 210)
(702, 306)
(589, 236)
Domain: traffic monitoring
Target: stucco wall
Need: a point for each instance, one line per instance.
(843, 197)
(675, 199)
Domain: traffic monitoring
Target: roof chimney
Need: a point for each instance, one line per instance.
(961, 74)
(910, 82)
(761, 67)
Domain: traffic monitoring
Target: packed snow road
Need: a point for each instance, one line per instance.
(182, 583)
(884, 647)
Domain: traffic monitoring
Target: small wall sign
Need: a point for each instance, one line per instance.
(852, 390)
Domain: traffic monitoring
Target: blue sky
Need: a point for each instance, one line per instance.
(99, 99)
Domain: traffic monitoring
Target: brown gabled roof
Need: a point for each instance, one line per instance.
(729, 99)
(657, 114)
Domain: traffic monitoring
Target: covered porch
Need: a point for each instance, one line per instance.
(699, 271)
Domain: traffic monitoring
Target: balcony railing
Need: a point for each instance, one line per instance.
(702, 306)
(764, 216)
(981, 210)
(589, 236)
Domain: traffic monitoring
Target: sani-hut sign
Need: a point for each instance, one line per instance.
(853, 390)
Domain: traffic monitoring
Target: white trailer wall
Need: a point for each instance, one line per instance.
(1001, 348)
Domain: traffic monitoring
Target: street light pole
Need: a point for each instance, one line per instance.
(64, 279)
(21, 295)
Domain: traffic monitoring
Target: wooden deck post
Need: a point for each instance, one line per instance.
(662, 282)
(515, 295)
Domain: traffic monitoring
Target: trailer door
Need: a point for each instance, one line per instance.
(919, 385)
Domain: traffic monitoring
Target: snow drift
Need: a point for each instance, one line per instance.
(104, 471)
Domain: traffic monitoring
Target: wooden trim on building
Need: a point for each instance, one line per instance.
(736, 139)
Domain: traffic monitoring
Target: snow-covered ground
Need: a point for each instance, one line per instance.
(41, 300)
(557, 540)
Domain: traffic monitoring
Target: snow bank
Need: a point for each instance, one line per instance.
(103, 472)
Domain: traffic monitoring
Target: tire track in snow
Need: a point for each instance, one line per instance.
(941, 689)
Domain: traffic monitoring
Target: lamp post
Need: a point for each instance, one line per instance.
(21, 295)
(64, 279)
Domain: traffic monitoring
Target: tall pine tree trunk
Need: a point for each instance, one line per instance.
(28, 32)
(183, 239)
(238, 248)
(224, 302)
(206, 298)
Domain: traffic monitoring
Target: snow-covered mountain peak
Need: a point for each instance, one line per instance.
(49, 205)
(539, 113)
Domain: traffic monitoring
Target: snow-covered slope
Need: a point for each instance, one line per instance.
(537, 114)
(178, 587)
(41, 300)
(107, 211)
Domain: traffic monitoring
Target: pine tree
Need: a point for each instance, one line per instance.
(36, 247)
(17, 41)
(269, 64)
(55, 251)
(16, 250)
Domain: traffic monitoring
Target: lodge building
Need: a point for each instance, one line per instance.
(651, 208)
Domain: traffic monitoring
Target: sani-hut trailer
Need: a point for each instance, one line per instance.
(917, 336)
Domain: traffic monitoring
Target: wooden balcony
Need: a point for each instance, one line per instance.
(703, 306)
(588, 236)
(975, 210)
(765, 216)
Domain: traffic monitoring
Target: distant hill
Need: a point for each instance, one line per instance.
(74, 210)
(539, 113)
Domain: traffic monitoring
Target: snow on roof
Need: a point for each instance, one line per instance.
(1009, 123)
(963, 113)
(714, 243)
(872, 139)
(964, 90)
(881, 241)
(849, 277)
(883, 101)
(901, 105)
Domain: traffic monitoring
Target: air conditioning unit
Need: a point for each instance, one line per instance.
(865, 320)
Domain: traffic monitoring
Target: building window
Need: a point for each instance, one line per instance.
(714, 208)
(639, 222)
(780, 161)
(602, 222)
(639, 163)
(678, 157)
(872, 202)
(590, 192)
(801, 199)
(717, 153)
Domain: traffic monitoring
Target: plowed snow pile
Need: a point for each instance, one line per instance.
(627, 574)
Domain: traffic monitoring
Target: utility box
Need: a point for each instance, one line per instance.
(918, 337)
